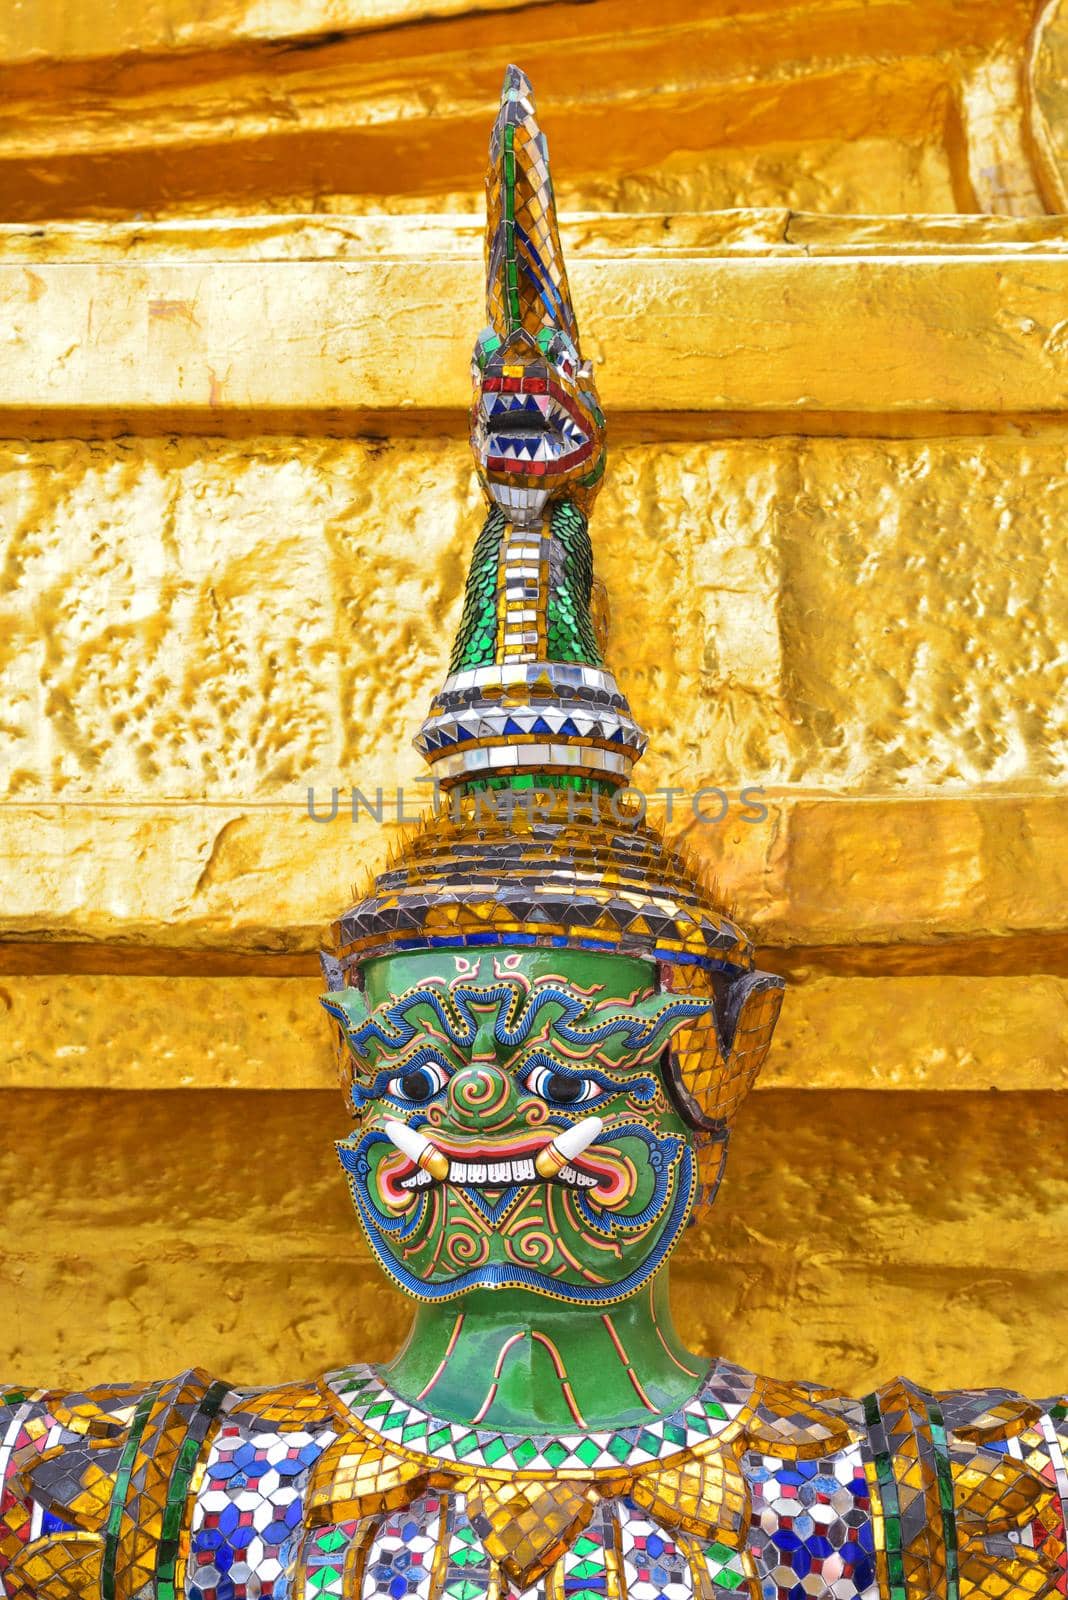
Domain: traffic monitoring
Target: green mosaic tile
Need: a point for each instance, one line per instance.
(331, 1539)
(570, 627)
(477, 633)
(464, 1589)
(725, 1566)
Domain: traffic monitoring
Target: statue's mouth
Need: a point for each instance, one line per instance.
(498, 1175)
(490, 1166)
(532, 426)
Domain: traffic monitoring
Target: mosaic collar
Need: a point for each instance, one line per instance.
(724, 1396)
(530, 1496)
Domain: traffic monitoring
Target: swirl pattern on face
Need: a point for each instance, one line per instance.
(513, 1128)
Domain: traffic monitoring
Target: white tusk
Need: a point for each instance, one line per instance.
(417, 1148)
(568, 1144)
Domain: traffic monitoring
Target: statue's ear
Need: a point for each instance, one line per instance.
(713, 1063)
(747, 1020)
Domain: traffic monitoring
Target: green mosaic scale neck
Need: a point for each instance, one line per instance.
(558, 594)
(518, 1363)
(528, 699)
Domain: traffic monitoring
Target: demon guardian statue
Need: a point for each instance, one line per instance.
(546, 1027)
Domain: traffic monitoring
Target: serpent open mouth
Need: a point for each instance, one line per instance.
(530, 426)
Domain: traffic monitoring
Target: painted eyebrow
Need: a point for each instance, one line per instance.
(389, 1027)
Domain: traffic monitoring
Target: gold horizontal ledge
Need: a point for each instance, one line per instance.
(689, 334)
(756, 231)
(91, 29)
(826, 871)
(918, 870)
(403, 111)
(238, 1033)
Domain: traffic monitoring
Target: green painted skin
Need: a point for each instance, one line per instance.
(529, 1396)
(508, 1356)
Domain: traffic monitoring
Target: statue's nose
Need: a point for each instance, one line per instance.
(480, 1096)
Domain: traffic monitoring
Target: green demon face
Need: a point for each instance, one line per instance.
(537, 429)
(514, 1128)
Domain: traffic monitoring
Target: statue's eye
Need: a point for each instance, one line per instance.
(422, 1083)
(560, 1088)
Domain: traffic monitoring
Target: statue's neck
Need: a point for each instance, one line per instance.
(509, 1359)
(528, 594)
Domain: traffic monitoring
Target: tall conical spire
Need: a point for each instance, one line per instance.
(526, 280)
(528, 699)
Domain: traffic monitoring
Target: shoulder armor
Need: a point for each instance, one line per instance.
(90, 1474)
(969, 1490)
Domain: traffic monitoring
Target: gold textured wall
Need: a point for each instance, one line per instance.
(819, 259)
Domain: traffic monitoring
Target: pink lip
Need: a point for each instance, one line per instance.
(491, 1149)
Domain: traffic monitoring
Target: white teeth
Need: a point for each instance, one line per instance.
(417, 1180)
(498, 1175)
(581, 1180)
(536, 447)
